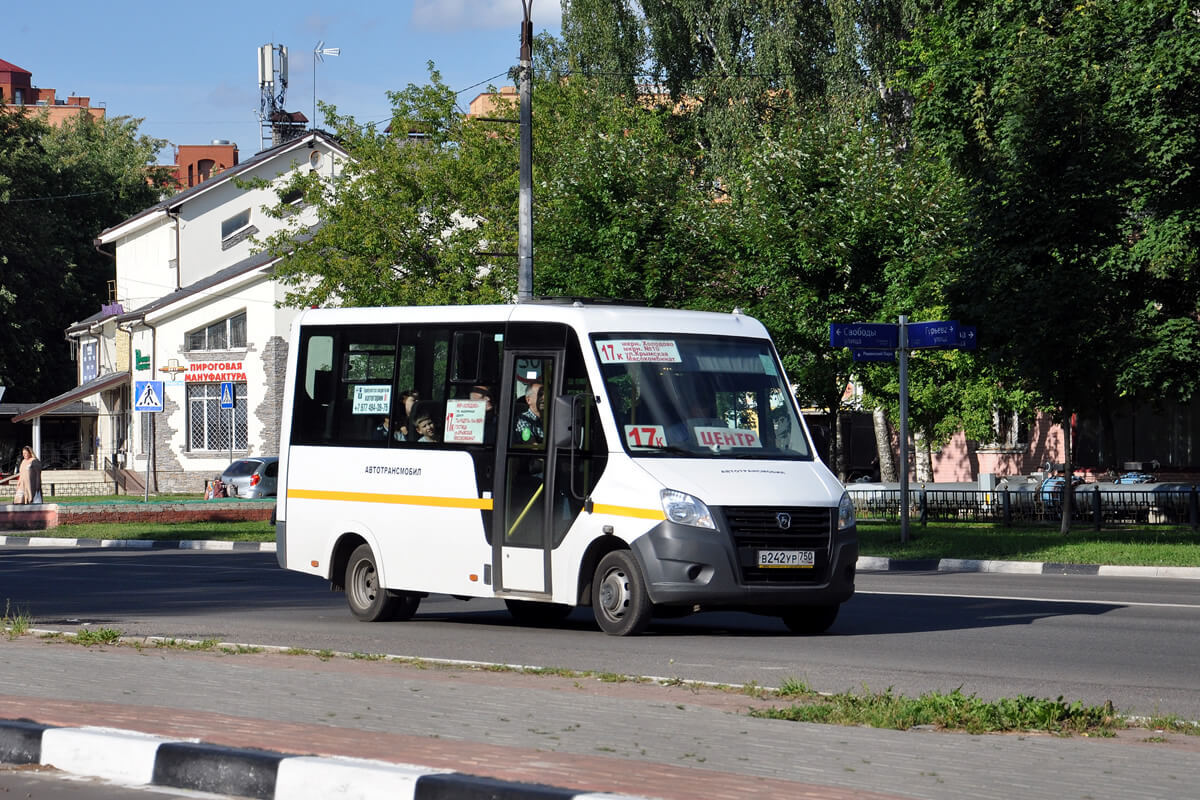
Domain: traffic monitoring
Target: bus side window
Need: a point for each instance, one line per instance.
(314, 392)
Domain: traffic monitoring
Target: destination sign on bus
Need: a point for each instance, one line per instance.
(645, 436)
(652, 351)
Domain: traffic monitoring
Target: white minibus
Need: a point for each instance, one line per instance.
(557, 454)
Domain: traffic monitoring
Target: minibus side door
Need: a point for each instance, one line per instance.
(522, 535)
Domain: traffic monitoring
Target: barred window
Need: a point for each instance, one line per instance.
(208, 423)
(228, 334)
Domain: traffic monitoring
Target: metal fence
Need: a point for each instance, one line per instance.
(1100, 507)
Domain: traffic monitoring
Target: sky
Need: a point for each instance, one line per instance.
(189, 70)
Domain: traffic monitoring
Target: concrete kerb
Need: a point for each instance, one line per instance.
(140, 759)
(877, 564)
(865, 563)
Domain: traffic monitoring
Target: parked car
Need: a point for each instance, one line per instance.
(257, 476)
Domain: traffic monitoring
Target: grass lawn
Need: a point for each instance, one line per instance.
(1145, 545)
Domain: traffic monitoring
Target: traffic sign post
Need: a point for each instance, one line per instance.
(148, 396)
(227, 402)
(874, 341)
(863, 335)
(149, 399)
(925, 335)
(874, 355)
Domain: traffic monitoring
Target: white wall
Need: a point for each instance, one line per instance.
(144, 270)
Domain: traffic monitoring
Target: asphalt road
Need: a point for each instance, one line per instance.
(1135, 642)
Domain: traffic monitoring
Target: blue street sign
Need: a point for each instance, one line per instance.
(148, 396)
(874, 355)
(966, 337)
(867, 335)
(932, 334)
(227, 394)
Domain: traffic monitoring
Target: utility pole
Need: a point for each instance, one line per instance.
(525, 170)
(902, 353)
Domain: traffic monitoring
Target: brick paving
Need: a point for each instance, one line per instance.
(640, 739)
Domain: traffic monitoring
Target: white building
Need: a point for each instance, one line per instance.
(193, 307)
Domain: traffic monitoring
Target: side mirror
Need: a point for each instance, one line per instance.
(568, 420)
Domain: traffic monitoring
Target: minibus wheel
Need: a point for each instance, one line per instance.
(368, 601)
(405, 605)
(619, 600)
(810, 619)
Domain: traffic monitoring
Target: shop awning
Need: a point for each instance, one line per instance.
(94, 386)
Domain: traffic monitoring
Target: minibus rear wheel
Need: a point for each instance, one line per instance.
(368, 601)
(810, 620)
(619, 599)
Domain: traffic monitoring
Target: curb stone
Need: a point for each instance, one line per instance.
(865, 563)
(133, 758)
(877, 564)
(138, 544)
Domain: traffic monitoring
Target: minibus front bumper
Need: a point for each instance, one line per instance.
(689, 566)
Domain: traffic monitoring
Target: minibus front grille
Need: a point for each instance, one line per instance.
(757, 528)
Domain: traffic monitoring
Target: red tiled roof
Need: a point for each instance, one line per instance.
(5, 66)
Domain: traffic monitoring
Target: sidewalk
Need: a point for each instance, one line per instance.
(583, 736)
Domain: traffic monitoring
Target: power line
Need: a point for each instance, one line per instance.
(57, 196)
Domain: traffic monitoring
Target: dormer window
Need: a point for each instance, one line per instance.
(228, 334)
(236, 228)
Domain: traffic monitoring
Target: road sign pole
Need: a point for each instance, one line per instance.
(149, 458)
(903, 356)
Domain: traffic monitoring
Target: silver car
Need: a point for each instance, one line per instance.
(252, 477)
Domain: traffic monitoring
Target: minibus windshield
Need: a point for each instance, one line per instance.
(699, 396)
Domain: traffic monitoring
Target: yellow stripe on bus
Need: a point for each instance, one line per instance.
(482, 503)
(628, 511)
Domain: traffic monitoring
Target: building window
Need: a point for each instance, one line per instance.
(209, 424)
(228, 334)
(236, 229)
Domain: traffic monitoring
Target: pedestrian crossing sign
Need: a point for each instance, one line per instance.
(147, 395)
(227, 394)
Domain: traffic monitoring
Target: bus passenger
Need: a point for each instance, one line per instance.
(529, 428)
(404, 428)
(425, 427)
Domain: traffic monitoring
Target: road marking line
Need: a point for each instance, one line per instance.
(1036, 599)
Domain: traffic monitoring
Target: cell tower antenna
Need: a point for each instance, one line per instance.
(272, 86)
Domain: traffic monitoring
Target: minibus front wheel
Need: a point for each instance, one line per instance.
(619, 599)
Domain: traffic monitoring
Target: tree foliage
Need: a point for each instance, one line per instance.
(59, 188)
(1075, 127)
(423, 212)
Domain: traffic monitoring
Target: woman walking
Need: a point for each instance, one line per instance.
(29, 478)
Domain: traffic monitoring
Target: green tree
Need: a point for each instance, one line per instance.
(424, 212)
(1075, 126)
(733, 64)
(833, 227)
(59, 188)
(618, 209)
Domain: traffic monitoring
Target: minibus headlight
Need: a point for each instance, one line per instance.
(845, 512)
(685, 509)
